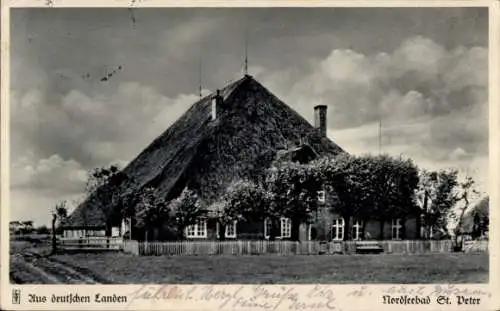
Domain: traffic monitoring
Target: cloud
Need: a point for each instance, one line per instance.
(52, 175)
(408, 143)
(439, 93)
(95, 129)
(178, 39)
(458, 154)
(419, 76)
(55, 145)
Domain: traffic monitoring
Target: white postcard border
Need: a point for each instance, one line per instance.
(347, 297)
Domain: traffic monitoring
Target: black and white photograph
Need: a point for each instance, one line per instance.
(252, 145)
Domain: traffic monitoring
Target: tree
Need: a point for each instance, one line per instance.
(152, 212)
(27, 227)
(224, 218)
(292, 193)
(345, 178)
(61, 211)
(369, 187)
(128, 211)
(466, 193)
(243, 201)
(437, 197)
(424, 194)
(103, 190)
(43, 230)
(476, 226)
(391, 184)
(54, 239)
(187, 209)
(481, 219)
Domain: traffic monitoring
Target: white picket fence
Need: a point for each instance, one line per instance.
(256, 247)
(221, 247)
(189, 248)
(90, 243)
(475, 246)
(415, 246)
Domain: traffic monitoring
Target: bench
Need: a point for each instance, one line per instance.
(368, 247)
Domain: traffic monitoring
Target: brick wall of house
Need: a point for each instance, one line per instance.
(323, 220)
(321, 227)
(250, 231)
(372, 230)
(211, 229)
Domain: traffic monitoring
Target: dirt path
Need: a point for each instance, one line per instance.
(31, 267)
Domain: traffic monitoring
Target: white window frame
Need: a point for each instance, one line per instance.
(322, 196)
(286, 227)
(115, 232)
(229, 234)
(357, 232)
(267, 234)
(338, 229)
(396, 227)
(198, 230)
(226, 233)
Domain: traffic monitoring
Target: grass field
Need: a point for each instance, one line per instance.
(339, 269)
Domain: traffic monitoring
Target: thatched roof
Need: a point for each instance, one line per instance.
(252, 125)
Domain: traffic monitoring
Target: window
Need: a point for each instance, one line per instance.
(396, 229)
(198, 230)
(321, 196)
(267, 228)
(230, 230)
(286, 227)
(356, 230)
(338, 229)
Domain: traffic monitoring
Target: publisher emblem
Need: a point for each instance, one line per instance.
(16, 296)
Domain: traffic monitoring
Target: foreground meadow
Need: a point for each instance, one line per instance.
(31, 263)
(337, 269)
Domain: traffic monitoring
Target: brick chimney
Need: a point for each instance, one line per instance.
(216, 103)
(320, 119)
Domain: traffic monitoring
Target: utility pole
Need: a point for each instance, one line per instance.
(246, 52)
(380, 136)
(200, 77)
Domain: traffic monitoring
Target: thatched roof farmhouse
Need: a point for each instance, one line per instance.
(233, 133)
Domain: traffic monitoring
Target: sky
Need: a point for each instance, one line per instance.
(423, 72)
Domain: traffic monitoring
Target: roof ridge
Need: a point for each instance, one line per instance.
(230, 87)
